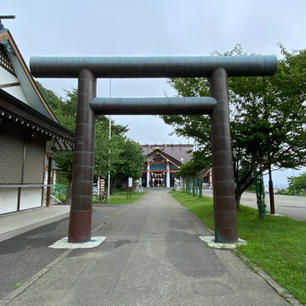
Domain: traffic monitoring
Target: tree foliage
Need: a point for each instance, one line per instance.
(297, 184)
(131, 161)
(126, 158)
(267, 118)
(193, 168)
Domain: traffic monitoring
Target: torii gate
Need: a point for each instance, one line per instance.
(216, 68)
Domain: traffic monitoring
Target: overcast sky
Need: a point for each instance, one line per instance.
(151, 27)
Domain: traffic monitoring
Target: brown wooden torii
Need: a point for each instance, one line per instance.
(217, 69)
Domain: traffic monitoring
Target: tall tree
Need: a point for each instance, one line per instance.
(297, 184)
(131, 161)
(267, 117)
(126, 156)
(65, 111)
(193, 168)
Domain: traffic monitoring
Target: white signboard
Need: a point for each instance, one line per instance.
(130, 182)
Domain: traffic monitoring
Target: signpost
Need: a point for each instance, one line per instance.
(129, 189)
(101, 186)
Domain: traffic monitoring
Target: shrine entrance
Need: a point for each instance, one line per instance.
(216, 68)
(160, 168)
(158, 179)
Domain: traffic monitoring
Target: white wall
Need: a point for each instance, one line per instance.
(30, 198)
(8, 200)
(15, 91)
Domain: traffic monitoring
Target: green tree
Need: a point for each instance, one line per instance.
(267, 116)
(107, 152)
(193, 172)
(126, 156)
(65, 111)
(130, 163)
(195, 167)
(188, 170)
(297, 184)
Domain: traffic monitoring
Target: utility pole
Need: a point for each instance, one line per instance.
(293, 182)
(109, 139)
(271, 193)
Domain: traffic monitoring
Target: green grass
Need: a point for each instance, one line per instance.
(276, 244)
(60, 196)
(59, 191)
(119, 197)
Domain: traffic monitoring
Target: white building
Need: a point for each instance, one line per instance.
(29, 133)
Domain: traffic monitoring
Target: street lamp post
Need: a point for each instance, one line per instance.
(109, 139)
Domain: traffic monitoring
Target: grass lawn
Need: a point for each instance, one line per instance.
(276, 244)
(119, 197)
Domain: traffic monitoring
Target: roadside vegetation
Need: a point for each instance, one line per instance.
(60, 192)
(288, 192)
(297, 186)
(117, 197)
(121, 197)
(276, 244)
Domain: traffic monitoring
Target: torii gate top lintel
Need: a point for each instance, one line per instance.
(152, 67)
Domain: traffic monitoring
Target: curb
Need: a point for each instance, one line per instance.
(272, 282)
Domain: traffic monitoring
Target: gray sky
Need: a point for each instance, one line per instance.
(152, 27)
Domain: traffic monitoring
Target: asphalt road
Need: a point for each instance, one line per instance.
(23, 256)
(290, 206)
(152, 256)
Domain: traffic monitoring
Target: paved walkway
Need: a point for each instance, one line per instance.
(14, 224)
(152, 256)
(291, 206)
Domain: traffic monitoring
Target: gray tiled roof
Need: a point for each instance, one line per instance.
(180, 152)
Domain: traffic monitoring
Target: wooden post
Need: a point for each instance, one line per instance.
(49, 182)
(271, 193)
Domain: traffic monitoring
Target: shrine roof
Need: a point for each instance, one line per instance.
(21, 102)
(180, 152)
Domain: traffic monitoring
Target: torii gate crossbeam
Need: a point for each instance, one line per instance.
(217, 69)
(153, 106)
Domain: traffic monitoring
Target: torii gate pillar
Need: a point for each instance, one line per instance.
(83, 161)
(223, 176)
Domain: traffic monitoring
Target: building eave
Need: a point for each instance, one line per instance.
(6, 35)
(21, 114)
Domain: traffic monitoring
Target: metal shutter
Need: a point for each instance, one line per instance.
(34, 161)
(11, 151)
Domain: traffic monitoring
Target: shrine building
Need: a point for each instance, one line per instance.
(163, 162)
(30, 134)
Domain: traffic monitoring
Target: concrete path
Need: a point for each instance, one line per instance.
(291, 206)
(16, 223)
(152, 256)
